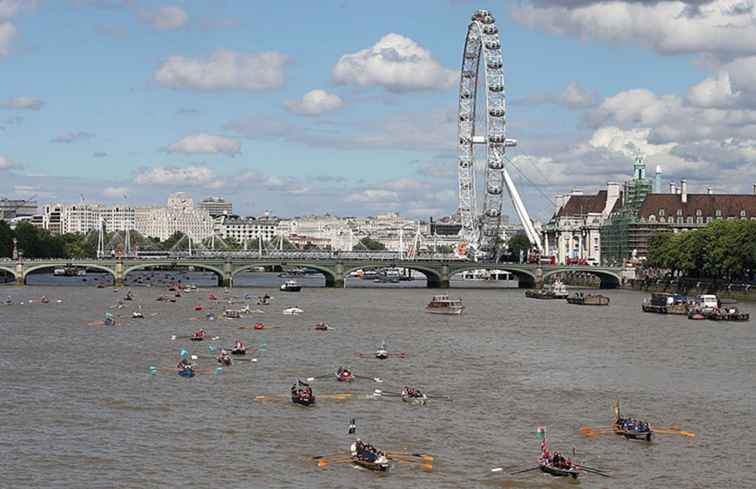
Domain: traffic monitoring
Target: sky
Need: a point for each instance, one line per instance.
(349, 107)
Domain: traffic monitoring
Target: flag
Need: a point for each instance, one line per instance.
(540, 433)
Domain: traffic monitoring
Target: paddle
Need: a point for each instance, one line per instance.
(526, 470)
(374, 379)
(689, 434)
(422, 456)
(594, 471)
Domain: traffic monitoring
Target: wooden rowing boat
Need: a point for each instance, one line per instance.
(380, 464)
(551, 469)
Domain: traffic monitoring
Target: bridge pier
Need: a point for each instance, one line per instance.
(228, 276)
(119, 275)
(539, 278)
(441, 281)
(336, 280)
(20, 282)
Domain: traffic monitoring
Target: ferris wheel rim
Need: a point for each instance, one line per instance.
(481, 229)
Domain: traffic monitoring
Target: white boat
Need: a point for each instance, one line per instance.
(291, 286)
(292, 311)
(442, 304)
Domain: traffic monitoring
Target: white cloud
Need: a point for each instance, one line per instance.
(224, 70)
(190, 175)
(72, 137)
(6, 163)
(115, 192)
(395, 63)
(374, 196)
(574, 97)
(10, 8)
(29, 103)
(167, 17)
(206, 144)
(7, 33)
(315, 102)
(669, 27)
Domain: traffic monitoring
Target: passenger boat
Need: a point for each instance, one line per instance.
(379, 462)
(442, 304)
(588, 300)
(301, 393)
(232, 314)
(663, 303)
(344, 375)
(291, 286)
(631, 429)
(292, 311)
(557, 290)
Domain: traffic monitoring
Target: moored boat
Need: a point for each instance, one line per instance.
(663, 303)
(557, 290)
(728, 313)
(588, 300)
(442, 304)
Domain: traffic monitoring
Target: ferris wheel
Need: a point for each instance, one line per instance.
(481, 215)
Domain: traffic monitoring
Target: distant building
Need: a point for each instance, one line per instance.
(248, 229)
(178, 216)
(13, 208)
(216, 206)
(678, 211)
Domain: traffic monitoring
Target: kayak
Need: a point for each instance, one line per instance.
(187, 372)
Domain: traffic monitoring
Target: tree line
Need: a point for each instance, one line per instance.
(723, 250)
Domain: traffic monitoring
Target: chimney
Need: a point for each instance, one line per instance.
(658, 182)
(754, 189)
(672, 188)
(708, 190)
(684, 191)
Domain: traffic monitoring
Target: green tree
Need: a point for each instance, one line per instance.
(369, 245)
(177, 241)
(6, 240)
(519, 242)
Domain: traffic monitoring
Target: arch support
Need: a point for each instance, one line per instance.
(228, 276)
(118, 275)
(20, 282)
(337, 279)
(438, 280)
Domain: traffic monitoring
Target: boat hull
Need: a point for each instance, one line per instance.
(186, 373)
(557, 472)
(382, 467)
(444, 311)
(303, 402)
(238, 352)
(635, 435)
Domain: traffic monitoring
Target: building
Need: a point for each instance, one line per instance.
(178, 216)
(248, 229)
(622, 232)
(573, 233)
(216, 206)
(677, 211)
(13, 208)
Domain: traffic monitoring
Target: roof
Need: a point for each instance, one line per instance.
(578, 205)
(730, 204)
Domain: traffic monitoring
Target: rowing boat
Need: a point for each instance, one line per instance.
(379, 464)
(551, 469)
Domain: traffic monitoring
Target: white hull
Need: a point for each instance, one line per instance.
(447, 312)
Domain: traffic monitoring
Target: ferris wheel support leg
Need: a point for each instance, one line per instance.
(522, 213)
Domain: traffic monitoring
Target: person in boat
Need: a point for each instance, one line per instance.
(224, 357)
(184, 364)
(239, 345)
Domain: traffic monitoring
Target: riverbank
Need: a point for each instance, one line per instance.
(691, 287)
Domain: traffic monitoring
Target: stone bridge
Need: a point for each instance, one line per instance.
(438, 271)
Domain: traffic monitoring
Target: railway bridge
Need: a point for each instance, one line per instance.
(334, 267)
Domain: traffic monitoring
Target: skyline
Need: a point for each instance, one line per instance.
(108, 98)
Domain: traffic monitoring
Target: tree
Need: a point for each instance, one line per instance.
(369, 244)
(175, 240)
(517, 243)
(6, 240)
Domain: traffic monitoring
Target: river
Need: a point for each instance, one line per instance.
(80, 410)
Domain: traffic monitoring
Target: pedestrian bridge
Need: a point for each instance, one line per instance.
(335, 267)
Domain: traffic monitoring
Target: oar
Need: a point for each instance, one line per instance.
(374, 379)
(689, 434)
(526, 470)
(422, 456)
(323, 462)
(594, 471)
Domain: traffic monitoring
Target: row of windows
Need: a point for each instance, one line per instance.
(699, 212)
(698, 220)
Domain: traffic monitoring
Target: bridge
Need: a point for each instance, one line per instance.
(334, 267)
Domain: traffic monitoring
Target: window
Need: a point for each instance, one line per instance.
(743, 213)
(699, 212)
(679, 212)
(699, 220)
(661, 219)
(690, 220)
(652, 218)
(661, 212)
(708, 219)
(679, 219)
(718, 213)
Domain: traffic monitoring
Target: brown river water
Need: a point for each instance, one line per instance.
(80, 410)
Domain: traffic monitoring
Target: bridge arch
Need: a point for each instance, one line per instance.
(527, 279)
(10, 271)
(330, 276)
(176, 264)
(609, 279)
(94, 266)
(433, 277)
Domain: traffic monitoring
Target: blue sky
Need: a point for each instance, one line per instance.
(108, 98)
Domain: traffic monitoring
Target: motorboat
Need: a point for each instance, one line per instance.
(442, 304)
